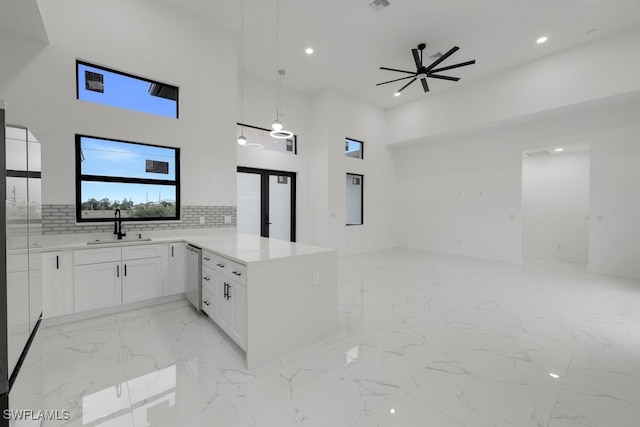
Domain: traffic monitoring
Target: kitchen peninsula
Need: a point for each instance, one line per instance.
(270, 296)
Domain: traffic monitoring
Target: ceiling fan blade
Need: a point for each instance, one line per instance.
(403, 87)
(437, 76)
(451, 67)
(399, 71)
(391, 81)
(442, 58)
(425, 86)
(416, 58)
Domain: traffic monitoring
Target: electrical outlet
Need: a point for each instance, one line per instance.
(201, 220)
(227, 219)
(315, 278)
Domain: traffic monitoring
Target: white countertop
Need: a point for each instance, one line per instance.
(241, 247)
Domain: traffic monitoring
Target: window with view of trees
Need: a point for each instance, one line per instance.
(139, 179)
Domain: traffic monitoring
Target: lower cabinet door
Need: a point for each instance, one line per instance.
(97, 286)
(141, 279)
(222, 314)
(238, 302)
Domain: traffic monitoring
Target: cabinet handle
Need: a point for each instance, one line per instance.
(206, 278)
(207, 258)
(117, 271)
(171, 251)
(226, 290)
(57, 262)
(236, 273)
(206, 302)
(220, 265)
(125, 270)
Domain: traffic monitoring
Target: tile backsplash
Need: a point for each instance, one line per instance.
(61, 219)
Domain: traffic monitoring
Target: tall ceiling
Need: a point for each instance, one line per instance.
(351, 40)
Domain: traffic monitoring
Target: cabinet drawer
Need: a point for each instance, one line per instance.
(208, 303)
(141, 251)
(95, 256)
(235, 270)
(207, 279)
(208, 259)
(232, 269)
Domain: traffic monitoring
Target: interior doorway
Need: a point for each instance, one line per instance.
(555, 203)
(267, 203)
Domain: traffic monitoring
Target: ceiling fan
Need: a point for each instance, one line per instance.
(423, 72)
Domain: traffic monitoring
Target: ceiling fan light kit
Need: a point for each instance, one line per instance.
(430, 71)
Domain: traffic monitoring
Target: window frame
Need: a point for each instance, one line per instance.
(123, 180)
(361, 176)
(346, 138)
(125, 74)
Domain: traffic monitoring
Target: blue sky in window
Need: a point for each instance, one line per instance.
(125, 92)
(121, 159)
(353, 146)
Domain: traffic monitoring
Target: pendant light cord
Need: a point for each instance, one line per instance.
(277, 59)
(242, 65)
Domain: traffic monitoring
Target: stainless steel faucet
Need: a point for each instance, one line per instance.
(118, 225)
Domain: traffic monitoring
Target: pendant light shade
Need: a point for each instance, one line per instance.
(242, 140)
(276, 125)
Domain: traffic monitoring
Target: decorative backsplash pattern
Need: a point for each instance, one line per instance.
(61, 219)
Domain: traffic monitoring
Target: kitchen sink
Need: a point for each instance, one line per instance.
(105, 242)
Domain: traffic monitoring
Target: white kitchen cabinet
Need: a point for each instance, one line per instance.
(141, 279)
(231, 307)
(238, 301)
(177, 272)
(222, 314)
(97, 286)
(109, 276)
(57, 283)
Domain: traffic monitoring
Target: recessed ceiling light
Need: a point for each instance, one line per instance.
(308, 51)
(542, 39)
(397, 94)
(393, 411)
(557, 150)
(552, 375)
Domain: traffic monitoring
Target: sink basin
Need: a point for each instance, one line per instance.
(105, 242)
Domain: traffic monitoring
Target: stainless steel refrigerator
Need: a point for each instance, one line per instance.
(21, 266)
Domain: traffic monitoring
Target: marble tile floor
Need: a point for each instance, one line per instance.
(425, 340)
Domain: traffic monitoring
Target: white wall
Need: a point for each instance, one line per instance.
(555, 206)
(559, 81)
(463, 195)
(144, 38)
(337, 116)
(614, 228)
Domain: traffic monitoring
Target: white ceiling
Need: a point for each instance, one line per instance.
(352, 41)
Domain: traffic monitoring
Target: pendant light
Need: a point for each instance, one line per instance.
(241, 139)
(277, 126)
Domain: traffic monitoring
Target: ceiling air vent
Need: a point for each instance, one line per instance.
(379, 5)
(538, 153)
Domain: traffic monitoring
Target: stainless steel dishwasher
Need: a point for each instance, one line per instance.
(194, 273)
